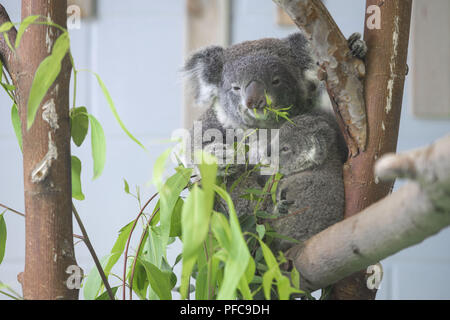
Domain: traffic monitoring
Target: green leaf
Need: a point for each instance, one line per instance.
(238, 253)
(154, 248)
(295, 277)
(93, 283)
(201, 284)
(194, 217)
(5, 27)
(118, 248)
(23, 26)
(126, 187)
(158, 168)
(168, 196)
(105, 295)
(8, 87)
(45, 76)
(77, 193)
(15, 119)
(114, 110)
(221, 229)
(160, 281)
(79, 125)
(2, 237)
(261, 230)
(175, 225)
(98, 144)
(140, 281)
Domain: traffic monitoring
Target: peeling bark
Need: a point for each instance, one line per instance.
(418, 210)
(341, 71)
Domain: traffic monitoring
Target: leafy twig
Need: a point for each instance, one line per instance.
(129, 239)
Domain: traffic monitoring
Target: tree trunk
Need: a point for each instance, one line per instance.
(46, 161)
(385, 76)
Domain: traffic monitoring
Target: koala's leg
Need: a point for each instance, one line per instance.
(357, 46)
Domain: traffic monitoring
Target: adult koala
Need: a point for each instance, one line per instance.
(233, 82)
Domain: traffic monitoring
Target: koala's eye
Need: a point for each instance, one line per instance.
(235, 87)
(285, 149)
(276, 81)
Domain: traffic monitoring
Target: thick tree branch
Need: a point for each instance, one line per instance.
(416, 211)
(341, 71)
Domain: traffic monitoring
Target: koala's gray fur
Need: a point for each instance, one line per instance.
(220, 79)
(310, 196)
(233, 82)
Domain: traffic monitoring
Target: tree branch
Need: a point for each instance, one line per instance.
(416, 211)
(8, 57)
(341, 71)
(88, 243)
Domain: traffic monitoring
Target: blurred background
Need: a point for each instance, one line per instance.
(138, 47)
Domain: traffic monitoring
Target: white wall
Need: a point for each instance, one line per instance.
(137, 48)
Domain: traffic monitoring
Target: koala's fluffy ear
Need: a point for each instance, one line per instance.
(204, 72)
(304, 61)
(300, 49)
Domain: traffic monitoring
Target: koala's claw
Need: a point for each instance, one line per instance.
(283, 206)
(357, 46)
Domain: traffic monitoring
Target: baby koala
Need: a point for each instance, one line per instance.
(310, 196)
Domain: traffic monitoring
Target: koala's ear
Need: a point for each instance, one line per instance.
(204, 73)
(300, 49)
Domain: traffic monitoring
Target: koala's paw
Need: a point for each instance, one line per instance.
(357, 46)
(282, 206)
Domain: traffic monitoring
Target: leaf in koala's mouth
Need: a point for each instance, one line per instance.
(260, 115)
(280, 113)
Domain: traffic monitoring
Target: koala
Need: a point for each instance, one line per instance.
(310, 196)
(235, 82)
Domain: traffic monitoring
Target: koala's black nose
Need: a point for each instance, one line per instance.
(255, 95)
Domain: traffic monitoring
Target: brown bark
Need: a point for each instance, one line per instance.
(340, 70)
(384, 83)
(46, 159)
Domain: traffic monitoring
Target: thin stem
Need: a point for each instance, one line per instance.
(128, 243)
(75, 74)
(138, 251)
(12, 210)
(93, 254)
(22, 215)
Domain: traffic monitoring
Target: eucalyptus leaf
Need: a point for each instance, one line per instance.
(238, 253)
(45, 76)
(23, 26)
(15, 119)
(98, 144)
(77, 193)
(79, 125)
(93, 283)
(114, 110)
(160, 281)
(126, 186)
(3, 234)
